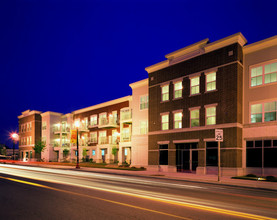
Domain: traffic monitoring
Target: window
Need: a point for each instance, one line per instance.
(211, 115)
(93, 120)
(31, 154)
(194, 85)
(270, 111)
(165, 120)
(27, 126)
(143, 127)
(93, 137)
(211, 81)
(194, 118)
(93, 152)
(165, 93)
(126, 134)
(143, 102)
(163, 157)
(178, 90)
(261, 153)
(270, 73)
(178, 120)
(257, 76)
(256, 113)
(211, 154)
(263, 112)
(263, 74)
(103, 119)
(30, 140)
(30, 126)
(103, 137)
(43, 125)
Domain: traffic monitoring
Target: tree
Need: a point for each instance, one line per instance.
(85, 155)
(114, 153)
(65, 153)
(38, 148)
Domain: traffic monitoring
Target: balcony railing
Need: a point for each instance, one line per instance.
(61, 129)
(108, 140)
(92, 140)
(108, 122)
(125, 115)
(126, 138)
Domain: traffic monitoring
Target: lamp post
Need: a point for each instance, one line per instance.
(15, 137)
(77, 124)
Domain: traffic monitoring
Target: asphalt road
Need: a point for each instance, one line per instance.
(44, 193)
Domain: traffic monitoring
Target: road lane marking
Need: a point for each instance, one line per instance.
(94, 197)
(184, 204)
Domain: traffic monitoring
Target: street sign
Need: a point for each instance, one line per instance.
(219, 135)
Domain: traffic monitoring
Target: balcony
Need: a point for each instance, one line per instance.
(126, 138)
(111, 122)
(108, 140)
(92, 140)
(83, 142)
(126, 116)
(63, 130)
(93, 124)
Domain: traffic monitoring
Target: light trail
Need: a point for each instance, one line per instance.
(184, 204)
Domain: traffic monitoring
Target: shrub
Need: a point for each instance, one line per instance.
(91, 160)
(251, 175)
(271, 178)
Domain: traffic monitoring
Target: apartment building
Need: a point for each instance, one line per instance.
(55, 133)
(139, 117)
(196, 90)
(259, 103)
(105, 131)
(29, 123)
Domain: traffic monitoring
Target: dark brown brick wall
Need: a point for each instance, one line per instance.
(228, 98)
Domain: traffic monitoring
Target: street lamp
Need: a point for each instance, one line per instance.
(77, 125)
(15, 138)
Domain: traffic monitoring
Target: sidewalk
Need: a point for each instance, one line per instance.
(176, 176)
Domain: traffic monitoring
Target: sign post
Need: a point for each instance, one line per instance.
(219, 138)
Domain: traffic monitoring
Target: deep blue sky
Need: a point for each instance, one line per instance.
(63, 55)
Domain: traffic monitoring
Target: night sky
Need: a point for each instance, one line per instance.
(62, 55)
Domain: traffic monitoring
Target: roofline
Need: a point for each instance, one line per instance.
(201, 45)
(268, 42)
(51, 113)
(104, 104)
(140, 83)
(28, 113)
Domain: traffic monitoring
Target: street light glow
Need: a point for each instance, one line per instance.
(77, 124)
(15, 136)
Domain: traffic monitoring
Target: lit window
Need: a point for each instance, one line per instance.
(27, 140)
(211, 81)
(43, 125)
(27, 126)
(93, 120)
(30, 126)
(210, 116)
(143, 127)
(103, 119)
(270, 111)
(178, 120)
(93, 137)
(30, 139)
(93, 152)
(256, 113)
(270, 73)
(263, 112)
(165, 121)
(194, 85)
(178, 90)
(257, 76)
(143, 102)
(165, 93)
(194, 118)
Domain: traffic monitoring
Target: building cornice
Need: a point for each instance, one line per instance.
(269, 42)
(235, 38)
(28, 113)
(105, 104)
(157, 66)
(138, 84)
(50, 113)
(187, 50)
(195, 50)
